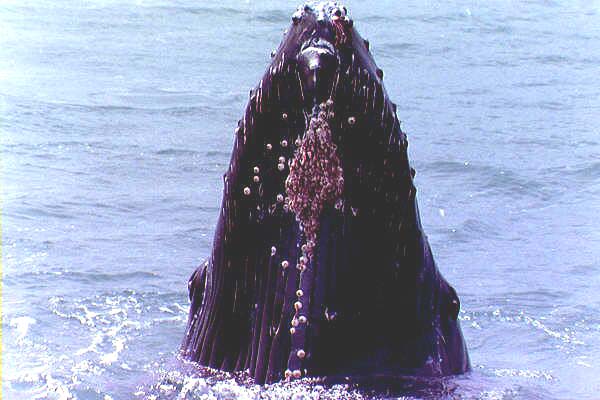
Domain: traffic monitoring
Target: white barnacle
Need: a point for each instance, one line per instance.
(269, 146)
(273, 250)
(302, 319)
(284, 264)
(256, 170)
(298, 305)
(301, 354)
(256, 179)
(351, 120)
(284, 143)
(247, 191)
(299, 293)
(329, 316)
(279, 198)
(281, 166)
(297, 374)
(296, 17)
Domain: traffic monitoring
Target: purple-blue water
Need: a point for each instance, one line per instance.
(116, 124)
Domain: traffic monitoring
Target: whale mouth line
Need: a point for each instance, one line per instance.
(318, 49)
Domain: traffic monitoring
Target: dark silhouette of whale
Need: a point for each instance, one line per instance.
(320, 266)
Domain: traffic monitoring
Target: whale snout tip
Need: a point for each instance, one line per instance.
(318, 63)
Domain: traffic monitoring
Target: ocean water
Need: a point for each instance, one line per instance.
(116, 124)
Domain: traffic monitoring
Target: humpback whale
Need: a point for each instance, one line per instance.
(319, 265)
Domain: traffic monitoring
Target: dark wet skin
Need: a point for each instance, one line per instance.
(362, 296)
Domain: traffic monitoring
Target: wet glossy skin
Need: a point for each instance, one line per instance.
(320, 266)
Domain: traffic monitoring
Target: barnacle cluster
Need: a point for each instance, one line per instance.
(333, 11)
(316, 177)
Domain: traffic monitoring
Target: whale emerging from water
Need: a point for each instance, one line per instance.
(320, 266)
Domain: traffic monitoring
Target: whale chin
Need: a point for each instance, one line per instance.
(320, 266)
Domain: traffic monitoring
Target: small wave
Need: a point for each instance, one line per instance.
(478, 229)
(401, 46)
(271, 16)
(536, 84)
(192, 110)
(74, 143)
(102, 109)
(55, 275)
(436, 19)
(493, 180)
(219, 11)
(376, 18)
(471, 92)
(589, 171)
(176, 152)
(552, 59)
(215, 153)
(442, 167)
(397, 49)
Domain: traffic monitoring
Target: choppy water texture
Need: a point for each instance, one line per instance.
(117, 122)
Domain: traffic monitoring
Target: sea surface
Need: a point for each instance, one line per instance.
(116, 125)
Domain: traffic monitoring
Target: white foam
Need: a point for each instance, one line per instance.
(93, 347)
(166, 310)
(109, 358)
(55, 390)
(21, 325)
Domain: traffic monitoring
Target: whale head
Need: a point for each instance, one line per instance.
(326, 30)
(322, 47)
